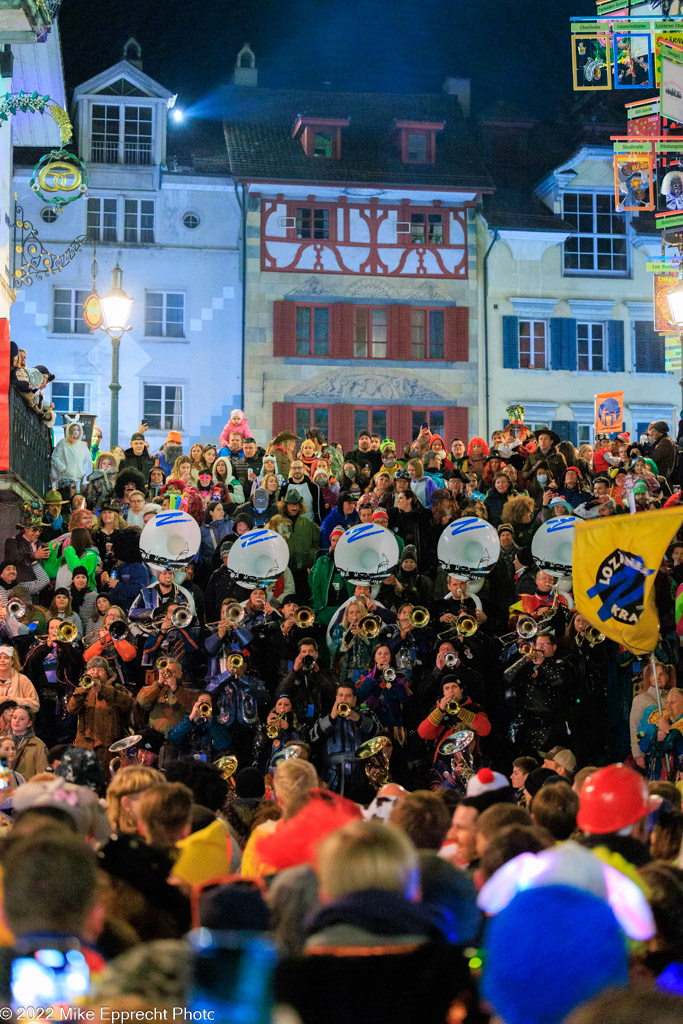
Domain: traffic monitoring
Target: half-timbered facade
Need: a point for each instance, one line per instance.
(360, 261)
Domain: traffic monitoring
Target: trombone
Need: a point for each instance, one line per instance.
(466, 624)
(118, 630)
(67, 633)
(419, 617)
(181, 617)
(591, 635)
(369, 626)
(305, 617)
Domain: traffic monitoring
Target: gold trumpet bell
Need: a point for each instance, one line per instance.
(343, 709)
(86, 681)
(419, 617)
(466, 624)
(304, 618)
(235, 662)
(369, 626)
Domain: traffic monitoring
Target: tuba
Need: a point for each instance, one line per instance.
(67, 633)
(455, 746)
(372, 753)
(123, 747)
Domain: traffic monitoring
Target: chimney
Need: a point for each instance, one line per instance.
(132, 52)
(246, 72)
(459, 87)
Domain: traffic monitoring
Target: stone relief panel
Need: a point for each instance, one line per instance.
(354, 388)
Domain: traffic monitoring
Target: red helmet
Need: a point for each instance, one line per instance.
(613, 798)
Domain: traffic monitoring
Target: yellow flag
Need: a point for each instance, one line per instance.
(615, 561)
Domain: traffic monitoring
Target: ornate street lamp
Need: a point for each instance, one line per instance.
(116, 310)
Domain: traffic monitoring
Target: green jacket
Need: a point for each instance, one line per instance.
(303, 543)
(320, 581)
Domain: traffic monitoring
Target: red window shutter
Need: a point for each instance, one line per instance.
(341, 426)
(341, 337)
(284, 328)
(458, 334)
(284, 417)
(400, 426)
(398, 321)
(457, 425)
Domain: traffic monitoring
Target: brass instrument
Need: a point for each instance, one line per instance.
(235, 662)
(369, 626)
(525, 647)
(526, 627)
(389, 674)
(591, 635)
(419, 617)
(305, 617)
(205, 709)
(466, 624)
(86, 681)
(343, 709)
(125, 747)
(450, 660)
(16, 608)
(181, 617)
(273, 728)
(453, 708)
(235, 613)
(376, 761)
(118, 630)
(227, 766)
(67, 633)
(455, 746)
(162, 664)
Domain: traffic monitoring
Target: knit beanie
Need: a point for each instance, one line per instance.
(531, 987)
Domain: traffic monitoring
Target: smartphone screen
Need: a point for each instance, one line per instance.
(232, 975)
(49, 976)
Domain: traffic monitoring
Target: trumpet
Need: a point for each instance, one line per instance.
(161, 664)
(591, 635)
(181, 617)
(118, 630)
(450, 660)
(389, 675)
(343, 709)
(205, 709)
(369, 626)
(67, 633)
(235, 662)
(304, 618)
(87, 681)
(16, 608)
(453, 708)
(419, 617)
(274, 727)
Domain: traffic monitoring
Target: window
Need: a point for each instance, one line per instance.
(137, 135)
(121, 134)
(427, 333)
(599, 245)
(162, 406)
(70, 396)
(164, 314)
(309, 417)
(590, 342)
(313, 330)
(67, 311)
(102, 226)
(417, 149)
(138, 224)
(104, 142)
(426, 228)
(648, 347)
(533, 345)
(372, 420)
(49, 214)
(584, 433)
(312, 223)
(191, 221)
(369, 333)
(323, 144)
(435, 421)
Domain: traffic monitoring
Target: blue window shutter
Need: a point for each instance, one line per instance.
(511, 342)
(565, 428)
(615, 341)
(562, 343)
(573, 433)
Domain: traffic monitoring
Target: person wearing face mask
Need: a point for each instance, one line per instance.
(547, 441)
(328, 497)
(388, 454)
(540, 483)
(350, 480)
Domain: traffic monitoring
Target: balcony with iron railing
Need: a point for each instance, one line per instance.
(131, 153)
(30, 446)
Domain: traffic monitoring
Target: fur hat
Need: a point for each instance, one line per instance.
(128, 475)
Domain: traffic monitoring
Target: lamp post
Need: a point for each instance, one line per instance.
(116, 308)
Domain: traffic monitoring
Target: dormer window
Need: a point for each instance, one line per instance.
(417, 140)
(121, 134)
(320, 137)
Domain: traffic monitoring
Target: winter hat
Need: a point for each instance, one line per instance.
(536, 779)
(174, 437)
(506, 528)
(151, 739)
(527, 988)
(387, 443)
(525, 557)
(292, 497)
(234, 907)
(78, 571)
(249, 783)
(486, 781)
(337, 532)
(381, 513)
(79, 802)
(554, 502)
(661, 427)
(61, 592)
(409, 551)
(576, 470)
(345, 496)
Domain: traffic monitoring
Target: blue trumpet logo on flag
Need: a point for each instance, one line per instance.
(620, 586)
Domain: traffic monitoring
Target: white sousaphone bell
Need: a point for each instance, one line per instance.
(170, 540)
(258, 558)
(366, 554)
(468, 548)
(552, 546)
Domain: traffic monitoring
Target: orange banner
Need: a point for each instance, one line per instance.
(609, 412)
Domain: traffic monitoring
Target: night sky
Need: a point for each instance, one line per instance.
(516, 51)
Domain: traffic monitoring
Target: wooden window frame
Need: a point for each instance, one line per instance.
(312, 354)
(305, 129)
(427, 128)
(427, 310)
(368, 311)
(533, 320)
(310, 204)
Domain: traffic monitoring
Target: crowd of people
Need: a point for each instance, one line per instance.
(365, 758)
